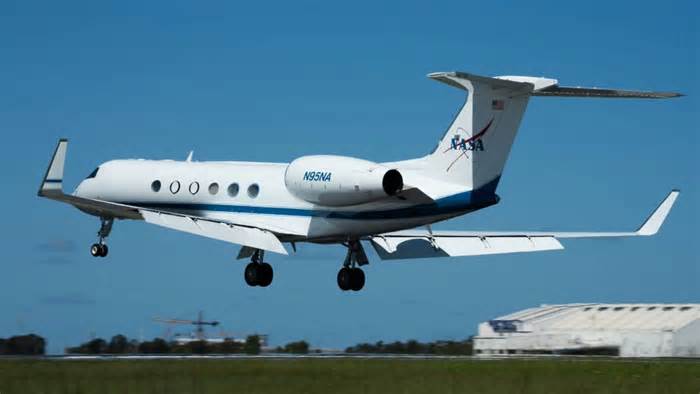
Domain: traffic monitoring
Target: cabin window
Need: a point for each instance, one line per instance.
(213, 188)
(233, 190)
(155, 186)
(253, 190)
(194, 187)
(93, 173)
(174, 187)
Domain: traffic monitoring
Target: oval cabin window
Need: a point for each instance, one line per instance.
(233, 190)
(253, 190)
(213, 188)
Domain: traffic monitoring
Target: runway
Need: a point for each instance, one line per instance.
(361, 356)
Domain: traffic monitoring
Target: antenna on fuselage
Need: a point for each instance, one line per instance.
(189, 156)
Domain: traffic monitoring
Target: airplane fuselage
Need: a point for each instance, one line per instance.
(255, 193)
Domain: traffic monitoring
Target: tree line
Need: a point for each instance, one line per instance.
(120, 344)
(32, 344)
(24, 345)
(412, 346)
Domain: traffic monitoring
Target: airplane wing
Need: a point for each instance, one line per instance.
(239, 233)
(247, 236)
(424, 243)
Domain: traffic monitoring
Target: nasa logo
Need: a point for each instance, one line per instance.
(471, 144)
(317, 176)
(467, 145)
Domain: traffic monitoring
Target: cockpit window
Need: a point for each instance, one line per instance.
(93, 174)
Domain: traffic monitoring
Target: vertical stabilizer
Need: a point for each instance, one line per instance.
(475, 147)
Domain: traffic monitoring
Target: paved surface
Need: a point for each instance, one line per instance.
(337, 356)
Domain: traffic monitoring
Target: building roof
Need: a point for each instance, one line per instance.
(567, 317)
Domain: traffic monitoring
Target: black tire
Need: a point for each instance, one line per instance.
(357, 281)
(252, 274)
(103, 250)
(266, 274)
(95, 250)
(344, 279)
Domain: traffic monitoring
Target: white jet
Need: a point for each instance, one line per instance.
(342, 200)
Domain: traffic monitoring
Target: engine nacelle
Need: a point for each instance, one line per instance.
(340, 180)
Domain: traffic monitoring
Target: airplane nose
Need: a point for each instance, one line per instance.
(80, 189)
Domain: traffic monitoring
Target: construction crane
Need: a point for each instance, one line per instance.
(199, 323)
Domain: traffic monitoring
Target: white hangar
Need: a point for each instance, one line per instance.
(627, 330)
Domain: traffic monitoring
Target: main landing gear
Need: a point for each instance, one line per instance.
(257, 272)
(100, 248)
(350, 277)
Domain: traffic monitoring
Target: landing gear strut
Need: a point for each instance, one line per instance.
(350, 277)
(100, 248)
(257, 272)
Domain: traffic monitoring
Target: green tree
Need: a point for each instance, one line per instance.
(299, 347)
(230, 346)
(252, 344)
(24, 345)
(156, 346)
(95, 346)
(119, 344)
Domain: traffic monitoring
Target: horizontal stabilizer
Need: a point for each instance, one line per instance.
(566, 91)
(458, 79)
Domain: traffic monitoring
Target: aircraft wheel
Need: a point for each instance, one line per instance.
(357, 279)
(103, 250)
(96, 250)
(345, 279)
(266, 274)
(252, 274)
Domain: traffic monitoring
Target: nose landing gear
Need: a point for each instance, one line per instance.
(257, 272)
(100, 248)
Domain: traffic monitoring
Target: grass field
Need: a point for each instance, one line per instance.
(348, 376)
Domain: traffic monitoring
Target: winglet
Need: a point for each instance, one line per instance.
(52, 183)
(653, 223)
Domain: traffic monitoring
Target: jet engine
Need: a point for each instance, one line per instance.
(340, 181)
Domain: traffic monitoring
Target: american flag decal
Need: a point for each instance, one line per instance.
(497, 105)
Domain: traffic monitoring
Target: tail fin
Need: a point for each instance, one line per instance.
(474, 150)
(475, 147)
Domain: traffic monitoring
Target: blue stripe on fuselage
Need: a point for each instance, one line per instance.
(456, 203)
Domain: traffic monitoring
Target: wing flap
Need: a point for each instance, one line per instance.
(393, 248)
(247, 236)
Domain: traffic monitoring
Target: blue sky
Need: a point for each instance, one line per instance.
(274, 81)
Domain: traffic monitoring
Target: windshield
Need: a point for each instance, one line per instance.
(93, 174)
